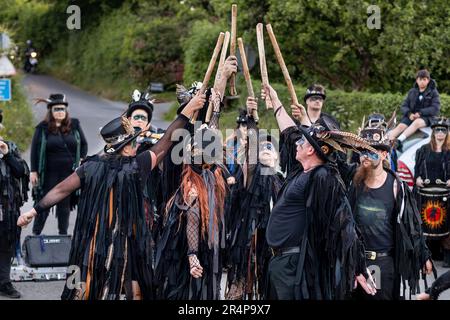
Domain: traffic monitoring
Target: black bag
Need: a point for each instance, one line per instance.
(47, 251)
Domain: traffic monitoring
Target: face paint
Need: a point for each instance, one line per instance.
(370, 155)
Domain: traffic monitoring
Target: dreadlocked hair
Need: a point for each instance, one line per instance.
(221, 189)
(193, 179)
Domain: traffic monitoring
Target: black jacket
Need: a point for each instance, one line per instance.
(411, 251)
(14, 180)
(431, 104)
(420, 169)
(37, 142)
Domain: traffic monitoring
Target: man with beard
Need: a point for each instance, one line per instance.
(316, 251)
(386, 214)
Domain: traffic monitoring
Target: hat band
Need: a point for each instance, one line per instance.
(117, 139)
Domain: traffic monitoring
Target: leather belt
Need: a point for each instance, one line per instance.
(373, 255)
(284, 251)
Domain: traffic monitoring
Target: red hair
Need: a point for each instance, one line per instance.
(193, 179)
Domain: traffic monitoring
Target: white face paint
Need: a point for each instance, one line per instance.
(59, 112)
(268, 155)
(139, 118)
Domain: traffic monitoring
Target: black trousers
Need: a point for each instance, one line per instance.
(6, 256)
(384, 276)
(62, 214)
(281, 277)
(53, 177)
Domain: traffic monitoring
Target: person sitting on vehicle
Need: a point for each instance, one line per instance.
(419, 107)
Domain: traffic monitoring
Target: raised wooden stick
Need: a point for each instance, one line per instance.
(282, 64)
(233, 46)
(211, 65)
(262, 59)
(223, 57)
(248, 80)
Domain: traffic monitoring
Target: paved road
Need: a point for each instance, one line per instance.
(93, 113)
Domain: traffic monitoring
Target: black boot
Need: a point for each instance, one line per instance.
(9, 291)
(446, 259)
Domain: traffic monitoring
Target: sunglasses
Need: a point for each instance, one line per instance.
(316, 98)
(300, 141)
(140, 117)
(371, 155)
(443, 130)
(59, 109)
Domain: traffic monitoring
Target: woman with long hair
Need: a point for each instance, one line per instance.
(56, 150)
(432, 168)
(188, 262)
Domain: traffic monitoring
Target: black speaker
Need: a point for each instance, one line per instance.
(47, 251)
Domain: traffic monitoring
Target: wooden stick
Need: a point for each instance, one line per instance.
(282, 64)
(262, 59)
(248, 80)
(222, 59)
(211, 65)
(233, 46)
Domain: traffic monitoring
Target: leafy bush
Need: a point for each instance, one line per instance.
(17, 117)
(349, 108)
(198, 48)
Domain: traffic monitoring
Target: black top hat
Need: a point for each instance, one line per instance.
(374, 131)
(376, 120)
(315, 90)
(377, 138)
(56, 98)
(440, 122)
(117, 134)
(140, 101)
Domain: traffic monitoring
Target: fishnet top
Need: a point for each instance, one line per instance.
(193, 228)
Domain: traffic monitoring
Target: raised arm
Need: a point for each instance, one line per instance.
(159, 150)
(229, 68)
(58, 193)
(283, 119)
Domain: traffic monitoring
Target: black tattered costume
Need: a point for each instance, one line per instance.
(14, 180)
(112, 240)
(248, 210)
(194, 224)
(404, 251)
(320, 257)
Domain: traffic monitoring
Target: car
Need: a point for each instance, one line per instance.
(407, 158)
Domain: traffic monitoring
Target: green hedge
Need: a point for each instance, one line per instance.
(349, 108)
(17, 117)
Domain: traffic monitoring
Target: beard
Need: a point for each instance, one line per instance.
(363, 172)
